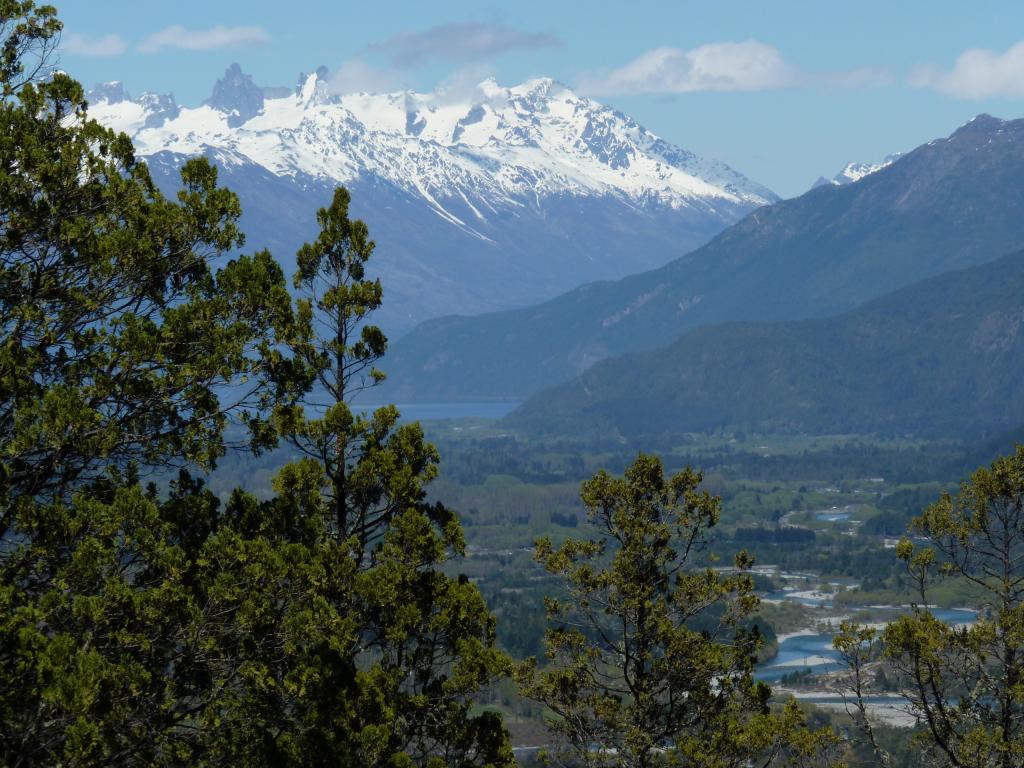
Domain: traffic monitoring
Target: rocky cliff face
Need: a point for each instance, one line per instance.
(237, 96)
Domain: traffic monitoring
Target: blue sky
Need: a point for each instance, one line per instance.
(783, 91)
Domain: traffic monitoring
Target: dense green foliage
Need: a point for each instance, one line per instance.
(940, 358)
(650, 660)
(160, 625)
(117, 331)
(145, 632)
(965, 683)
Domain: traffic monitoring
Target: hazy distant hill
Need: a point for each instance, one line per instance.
(949, 204)
(488, 199)
(942, 357)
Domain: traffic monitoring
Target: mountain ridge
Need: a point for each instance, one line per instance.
(949, 204)
(855, 171)
(486, 200)
(491, 124)
(940, 358)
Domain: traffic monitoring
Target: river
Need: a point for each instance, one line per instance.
(815, 651)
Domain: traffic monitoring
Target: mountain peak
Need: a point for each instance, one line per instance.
(112, 93)
(159, 108)
(536, 84)
(111, 104)
(855, 171)
(540, 88)
(536, 138)
(982, 122)
(984, 130)
(236, 95)
(311, 85)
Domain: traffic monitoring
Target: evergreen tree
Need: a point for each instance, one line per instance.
(142, 627)
(425, 641)
(117, 333)
(965, 683)
(120, 346)
(111, 652)
(651, 660)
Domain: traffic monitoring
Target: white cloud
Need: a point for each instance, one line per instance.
(83, 45)
(745, 66)
(210, 39)
(460, 41)
(355, 76)
(462, 86)
(977, 74)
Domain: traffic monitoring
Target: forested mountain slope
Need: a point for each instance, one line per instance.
(949, 204)
(942, 357)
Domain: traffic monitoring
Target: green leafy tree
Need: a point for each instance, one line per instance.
(29, 35)
(424, 641)
(338, 349)
(120, 345)
(651, 658)
(120, 342)
(112, 652)
(149, 628)
(965, 683)
(172, 631)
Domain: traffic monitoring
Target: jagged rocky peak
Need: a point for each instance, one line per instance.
(237, 95)
(316, 81)
(490, 142)
(112, 93)
(113, 106)
(159, 108)
(539, 89)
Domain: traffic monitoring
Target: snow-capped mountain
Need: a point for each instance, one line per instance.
(856, 171)
(481, 200)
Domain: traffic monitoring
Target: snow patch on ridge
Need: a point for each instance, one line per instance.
(856, 171)
(495, 144)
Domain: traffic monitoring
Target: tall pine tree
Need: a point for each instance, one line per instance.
(149, 627)
(650, 658)
(426, 640)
